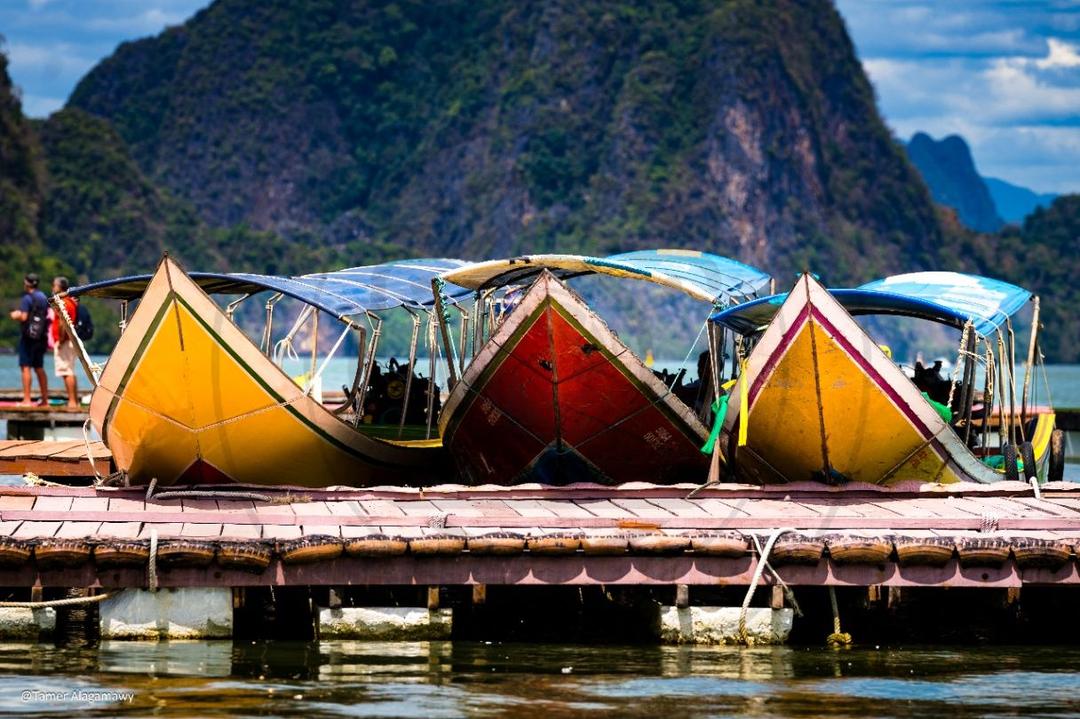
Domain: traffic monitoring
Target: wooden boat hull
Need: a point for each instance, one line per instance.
(825, 403)
(187, 398)
(554, 397)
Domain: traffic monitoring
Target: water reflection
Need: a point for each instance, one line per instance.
(449, 679)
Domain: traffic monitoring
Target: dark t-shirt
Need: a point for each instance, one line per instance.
(27, 304)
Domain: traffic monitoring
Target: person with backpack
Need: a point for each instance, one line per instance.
(64, 354)
(33, 340)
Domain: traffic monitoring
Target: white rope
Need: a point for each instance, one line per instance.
(151, 566)
(1034, 481)
(789, 594)
(89, 453)
(988, 523)
(762, 560)
(956, 367)
(71, 601)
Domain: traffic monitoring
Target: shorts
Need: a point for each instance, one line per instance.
(65, 359)
(31, 353)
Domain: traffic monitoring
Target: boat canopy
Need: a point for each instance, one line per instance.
(703, 276)
(950, 298)
(343, 293)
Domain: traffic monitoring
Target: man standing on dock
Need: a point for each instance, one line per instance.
(33, 316)
(64, 355)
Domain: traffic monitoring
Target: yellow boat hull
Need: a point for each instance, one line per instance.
(824, 403)
(187, 398)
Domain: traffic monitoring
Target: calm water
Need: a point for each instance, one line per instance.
(445, 679)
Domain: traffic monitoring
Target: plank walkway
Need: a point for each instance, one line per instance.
(653, 534)
(53, 458)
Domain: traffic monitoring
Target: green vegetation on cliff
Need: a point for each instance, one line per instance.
(285, 136)
(486, 127)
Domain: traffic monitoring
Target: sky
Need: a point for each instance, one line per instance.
(1004, 74)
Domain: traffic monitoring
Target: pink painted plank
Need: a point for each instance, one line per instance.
(280, 531)
(164, 529)
(680, 507)
(201, 530)
(241, 531)
(492, 507)
(642, 508)
(125, 504)
(419, 508)
(381, 507)
(604, 508)
(77, 530)
(236, 506)
(460, 507)
(780, 508)
(1049, 507)
(528, 508)
(120, 530)
(52, 504)
(350, 508)
(720, 508)
(8, 528)
(16, 502)
(89, 504)
(359, 532)
(34, 530)
(311, 530)
(311, 509)
(563, 509)
(199, 505)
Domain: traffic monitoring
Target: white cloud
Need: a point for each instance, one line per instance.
(38, 4)
(1002, 75)
(1062, 54)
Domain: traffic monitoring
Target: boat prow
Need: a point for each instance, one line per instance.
(554, 397)
(825, 403)
(186, 397)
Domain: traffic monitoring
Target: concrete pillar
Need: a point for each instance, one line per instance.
(25, 623)
(181, 613)
(720, 625)
(384, 623)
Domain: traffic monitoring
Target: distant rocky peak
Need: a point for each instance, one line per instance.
(949, 171)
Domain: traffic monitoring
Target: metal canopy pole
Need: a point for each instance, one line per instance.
(412, 369)
(1029, 367)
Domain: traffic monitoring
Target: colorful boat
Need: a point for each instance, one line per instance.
(818, 399)
(186, 397)
(553, 396)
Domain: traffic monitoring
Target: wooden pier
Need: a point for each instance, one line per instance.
(973, 536)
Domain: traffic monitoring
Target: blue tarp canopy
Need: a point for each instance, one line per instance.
(706, 277)
(950, 298)
(343, 293)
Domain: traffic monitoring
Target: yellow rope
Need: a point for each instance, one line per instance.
(838, 639)
(744, 403)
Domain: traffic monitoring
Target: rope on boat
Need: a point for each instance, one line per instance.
(99, 480)
(988, 523)
(838, 639)
(960, 354)
(70, 601)
(762, 562)
(202, 494)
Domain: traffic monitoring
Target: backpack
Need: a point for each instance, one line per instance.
(84, 325)
(37, 319)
